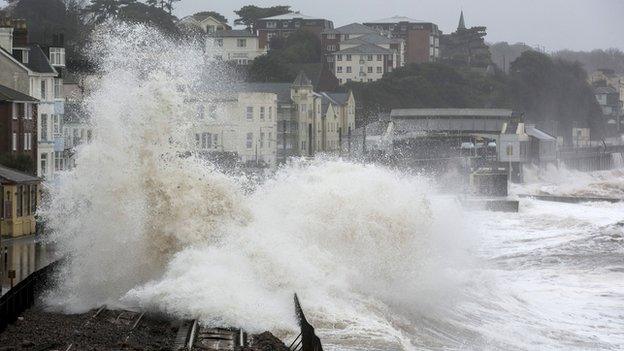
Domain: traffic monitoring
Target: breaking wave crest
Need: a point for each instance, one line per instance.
(145, 223)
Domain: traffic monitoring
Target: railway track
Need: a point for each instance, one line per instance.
(192, 336)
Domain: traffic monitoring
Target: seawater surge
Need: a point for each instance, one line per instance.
(379, 259)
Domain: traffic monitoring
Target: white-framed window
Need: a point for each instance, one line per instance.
(331, 36)
(249, 112)
(338, 57)
(270, 112)
(339, 69)
(44, 164)
(349, 69)
(241, 43)
(44, 127)
(261, 140)
(15, 108)
(271, 24)
(369, 57)
(379, 69)
(25, 145)
(331, 47)
(369, 70)
(58, 88)
(379, 57)
(345, 36)
(29, 111)
(348, 57)
(58, 161)
(206, 141)
(43, 91)
(262, 112)
(14, 142)
(57, 56)
(249, 140)
(56, 124)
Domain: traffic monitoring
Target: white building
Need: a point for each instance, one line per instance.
(364, 63)
(243, 123)
(239, 46)
(203, 22)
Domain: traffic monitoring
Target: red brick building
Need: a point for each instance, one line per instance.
(422, 39)
(18, 125)
(282, 25)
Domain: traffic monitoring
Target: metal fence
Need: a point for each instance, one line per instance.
(22, 296)
(307, 339)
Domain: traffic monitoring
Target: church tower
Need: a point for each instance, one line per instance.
(462, 23)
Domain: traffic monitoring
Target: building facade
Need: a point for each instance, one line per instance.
(19, 197)
(18, 126)
(240, 123)
(363, 63)
(204, 23)
(422, 39)
(609, 100)
(283, 25)
(237, 46)
(37, 72)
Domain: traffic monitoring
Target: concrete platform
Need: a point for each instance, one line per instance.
(571, 199)
(496, 205)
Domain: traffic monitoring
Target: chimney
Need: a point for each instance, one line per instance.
(20, 33)
(6, 34)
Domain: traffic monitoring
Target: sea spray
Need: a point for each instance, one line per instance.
(144, 223)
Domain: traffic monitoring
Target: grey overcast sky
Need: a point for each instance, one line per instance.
(554, 24)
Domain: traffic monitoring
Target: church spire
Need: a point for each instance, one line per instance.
(462, 24)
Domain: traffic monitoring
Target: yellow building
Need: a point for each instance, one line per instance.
(18, 202)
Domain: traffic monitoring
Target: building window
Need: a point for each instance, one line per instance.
(379, 70)
(19, 200)
(44, 127)
(262, 140)
(339, 69)
(369, 57)
(346, 36)
(270, 112)
(331, 36)
(331, 47)
(339, 57)
(285, 24)
(509, 150)
(369, 69)
(249, 142)
(379, 57)
(25, 56)
(271, 24)
(206, 141)
(348, 69)
(14, 142)
(249, 112)
(57, 56)
(348, 57)
(29, 111)
(269, 140)
(58, 88)
(43, 90)
(44, 164)
(241, 43)
(262, 110)
(56, 124)
(58, 161)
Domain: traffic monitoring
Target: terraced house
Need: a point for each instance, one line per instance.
(37, 71)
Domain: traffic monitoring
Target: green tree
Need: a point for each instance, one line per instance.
(248, 15)
(101, 10)
(156, 17)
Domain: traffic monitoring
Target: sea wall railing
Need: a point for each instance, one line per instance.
(307, 339)
(22, 296)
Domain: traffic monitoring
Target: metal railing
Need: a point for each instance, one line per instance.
(307, 339)
(22, 296)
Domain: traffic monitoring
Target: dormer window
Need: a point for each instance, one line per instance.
(271, 25)
(25, 56)
(57, 56)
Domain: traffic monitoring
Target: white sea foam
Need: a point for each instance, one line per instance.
(379, 260)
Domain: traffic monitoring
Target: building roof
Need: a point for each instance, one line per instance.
(234, 33)
(38, 61)
(365, 48)
(302, 80)
(395, 19)
(321, 76)
(372, 38)
(462, 23)
(9, 175)
(451, 112)
(605, 90)
(281, 89)
(328, 98)
(537, 133)
(353, 28)
(8, 94)
(290, 16)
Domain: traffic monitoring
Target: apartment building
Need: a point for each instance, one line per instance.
(283, 25)
(363, 63)
(356, 34)
(422, 39)
(36, 71)
(18, 126)
(238, 46)
(240, 123)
